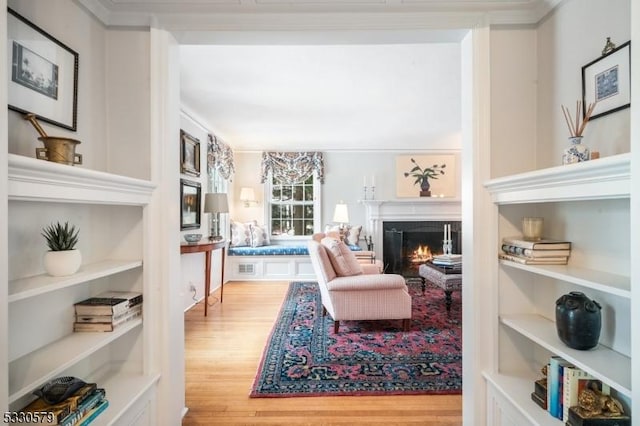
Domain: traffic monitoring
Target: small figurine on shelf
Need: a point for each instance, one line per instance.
(597, 408)
(539, 394)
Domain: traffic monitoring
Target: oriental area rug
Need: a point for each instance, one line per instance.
(303, 356)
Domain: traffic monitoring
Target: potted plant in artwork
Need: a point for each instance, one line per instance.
(422, 176)
(62, 258)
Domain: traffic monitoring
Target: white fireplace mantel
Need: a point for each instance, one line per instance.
(428, 208)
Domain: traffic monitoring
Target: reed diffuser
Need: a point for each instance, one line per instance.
(577, 152)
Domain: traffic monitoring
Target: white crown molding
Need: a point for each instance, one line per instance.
(214, 14)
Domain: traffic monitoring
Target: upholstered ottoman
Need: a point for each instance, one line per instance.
(447, 280)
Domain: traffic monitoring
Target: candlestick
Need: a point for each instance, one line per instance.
(373, 180)
(365, 191)
(373, 192)
(364, 181)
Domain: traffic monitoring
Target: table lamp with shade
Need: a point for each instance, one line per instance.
(216, 203)
(341, 217)
(247, 196)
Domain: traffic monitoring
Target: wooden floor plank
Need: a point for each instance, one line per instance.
(222, 353)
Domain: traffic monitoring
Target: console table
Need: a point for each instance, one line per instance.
(207, 248)
(448, 279)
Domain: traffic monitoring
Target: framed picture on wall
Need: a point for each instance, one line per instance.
(189, 154)
(426, 175)
(190, 196)
(42, 74)
(607, 81)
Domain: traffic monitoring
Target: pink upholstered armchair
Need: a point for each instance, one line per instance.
(350, 293)
(367, 258)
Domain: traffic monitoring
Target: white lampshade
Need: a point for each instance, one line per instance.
(341, 213)
(215, 202)
(247, 196)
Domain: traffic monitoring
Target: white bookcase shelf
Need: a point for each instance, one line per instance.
(605, 178)
(619, 285)
(122, 390)
(517, 390)
(24, 288)
(115, 360)
(37, 180)
(571, 197)
(603, 363)
(30, 371)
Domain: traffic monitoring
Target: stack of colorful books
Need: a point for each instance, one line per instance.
(564, 384)
(107, 311)
(80, 409)
(541, 252)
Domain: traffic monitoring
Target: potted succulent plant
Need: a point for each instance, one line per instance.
(422, 176)
(62, 258)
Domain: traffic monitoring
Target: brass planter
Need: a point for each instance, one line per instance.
(59, 150)
(56, 149)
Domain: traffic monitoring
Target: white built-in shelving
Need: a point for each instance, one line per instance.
(24, 288)
(52, 360)
(605, 364)
(526, 332)
(604, 281)
(118, 360)
(606, 178)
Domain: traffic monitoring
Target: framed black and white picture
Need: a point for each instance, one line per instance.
(43, 74)
(189, 154)
(607, 81)
(190, 196)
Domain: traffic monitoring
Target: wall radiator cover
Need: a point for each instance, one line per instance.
(246, 268)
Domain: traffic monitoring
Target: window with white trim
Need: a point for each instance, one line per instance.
(293, 210)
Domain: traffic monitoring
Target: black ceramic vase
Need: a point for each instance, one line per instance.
(578, 320)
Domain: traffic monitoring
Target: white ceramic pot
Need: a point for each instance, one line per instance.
(62, 263)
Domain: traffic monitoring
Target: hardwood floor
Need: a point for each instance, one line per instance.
(222, 354)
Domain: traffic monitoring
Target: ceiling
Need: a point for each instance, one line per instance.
(259, 87)
(329, 97)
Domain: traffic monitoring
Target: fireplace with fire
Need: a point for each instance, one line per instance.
(407, 245)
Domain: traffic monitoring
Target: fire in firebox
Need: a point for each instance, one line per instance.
(421, 254)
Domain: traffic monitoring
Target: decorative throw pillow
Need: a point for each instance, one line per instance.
(342, 259)
(240, 234)
(259, 236)
(351, 233)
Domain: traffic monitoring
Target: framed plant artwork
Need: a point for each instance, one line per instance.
(607, 81)
(190, 196)
(189, 154)
(43, 74)
(426, 175)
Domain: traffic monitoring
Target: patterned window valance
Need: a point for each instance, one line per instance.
(292, 167)
(220, 157)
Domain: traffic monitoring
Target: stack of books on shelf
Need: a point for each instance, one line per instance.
(81, 408)
(541, 252)
(107, 311)
(560, 390)
(447, 260)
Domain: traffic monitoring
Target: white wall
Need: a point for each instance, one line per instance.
(88, 38)
(513, 100)
(344, 179)
(569, 38)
